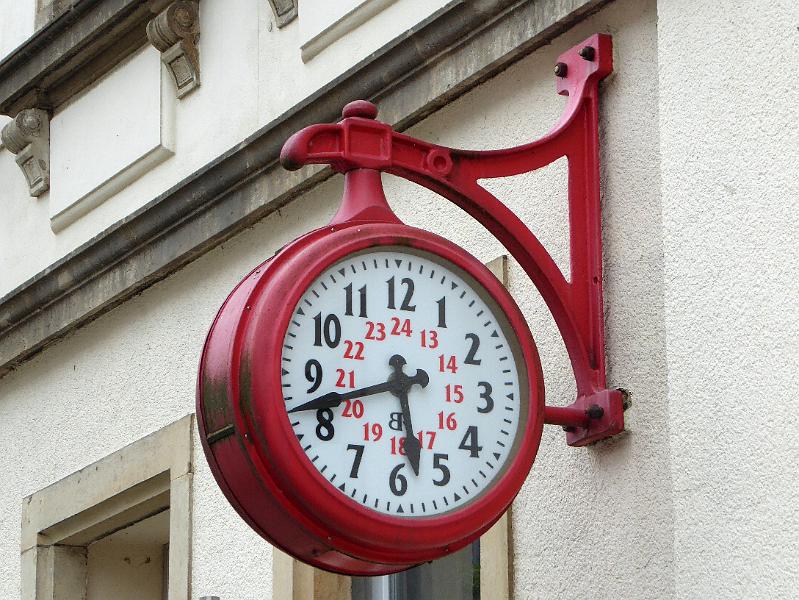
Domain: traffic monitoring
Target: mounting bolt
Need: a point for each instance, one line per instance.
(594, 412)
(569, 429)
(587, 52)
(561, 69)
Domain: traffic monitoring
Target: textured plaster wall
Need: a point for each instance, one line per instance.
(132, 371)
(729, 142)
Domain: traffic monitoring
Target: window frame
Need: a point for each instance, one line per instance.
(61, 520)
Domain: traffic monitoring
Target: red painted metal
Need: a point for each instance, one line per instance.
(252, 449)
(245, 430)
(359, 142)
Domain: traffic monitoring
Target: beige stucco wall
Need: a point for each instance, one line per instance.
(729, 142)
(695, 500)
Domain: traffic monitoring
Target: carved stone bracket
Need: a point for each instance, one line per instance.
(174, 33)
(28, 136)
(285, 11)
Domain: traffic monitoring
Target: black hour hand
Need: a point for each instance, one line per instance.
(333, 399)
(329, 400)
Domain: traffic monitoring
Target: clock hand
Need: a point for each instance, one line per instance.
(333, 399)
(412, 445)
(404, 383)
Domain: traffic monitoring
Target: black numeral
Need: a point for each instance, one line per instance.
(325, 430)
(332, 330)
(438, 463)
(406, 301)
(361, 301)
(486, 395)
(442, 312)
(469, 442)
(470, 359)
(395, 421)
(397, 482)
(356, 464)
(313, 373)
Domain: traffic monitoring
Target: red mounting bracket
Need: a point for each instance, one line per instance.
(360, 142)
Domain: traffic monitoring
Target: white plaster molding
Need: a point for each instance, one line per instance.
(151, 474)
(175, 33)
(285, 11)
(134, 103)
(323, 22)
(28, 136)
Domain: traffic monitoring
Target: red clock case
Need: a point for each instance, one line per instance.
(253, 451)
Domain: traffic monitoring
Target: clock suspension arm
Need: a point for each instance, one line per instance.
(360, 144)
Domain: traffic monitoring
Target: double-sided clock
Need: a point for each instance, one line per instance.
(370, 397)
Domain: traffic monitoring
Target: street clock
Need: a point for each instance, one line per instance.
(371, 397)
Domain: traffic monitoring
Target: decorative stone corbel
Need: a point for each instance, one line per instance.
(28, 136)
(285, 11)
(175, 33)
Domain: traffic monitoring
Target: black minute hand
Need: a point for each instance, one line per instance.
(333, 399)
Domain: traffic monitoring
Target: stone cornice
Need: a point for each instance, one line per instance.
(440, 59)
(72, 51)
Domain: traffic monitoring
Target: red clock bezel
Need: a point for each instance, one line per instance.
(262, 468)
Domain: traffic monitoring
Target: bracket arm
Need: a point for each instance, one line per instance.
(361, 142)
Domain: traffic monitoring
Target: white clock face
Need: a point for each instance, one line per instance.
(403, 382)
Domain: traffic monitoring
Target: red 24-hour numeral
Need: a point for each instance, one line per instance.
(454, 393)
(352, 409)
(429, 338)
(447, 422)
(431, 438)
(345, 378)
(375, 331)
(447, 364)
(353, 350)
(372, 432)
(401, 327)
(398, 443)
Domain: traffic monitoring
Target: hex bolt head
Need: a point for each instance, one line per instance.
(594, 412)
(587, 52)
(561, 69)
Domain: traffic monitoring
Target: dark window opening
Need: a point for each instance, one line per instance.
(456, 577)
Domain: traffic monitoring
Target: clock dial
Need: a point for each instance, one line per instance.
(403, 382)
